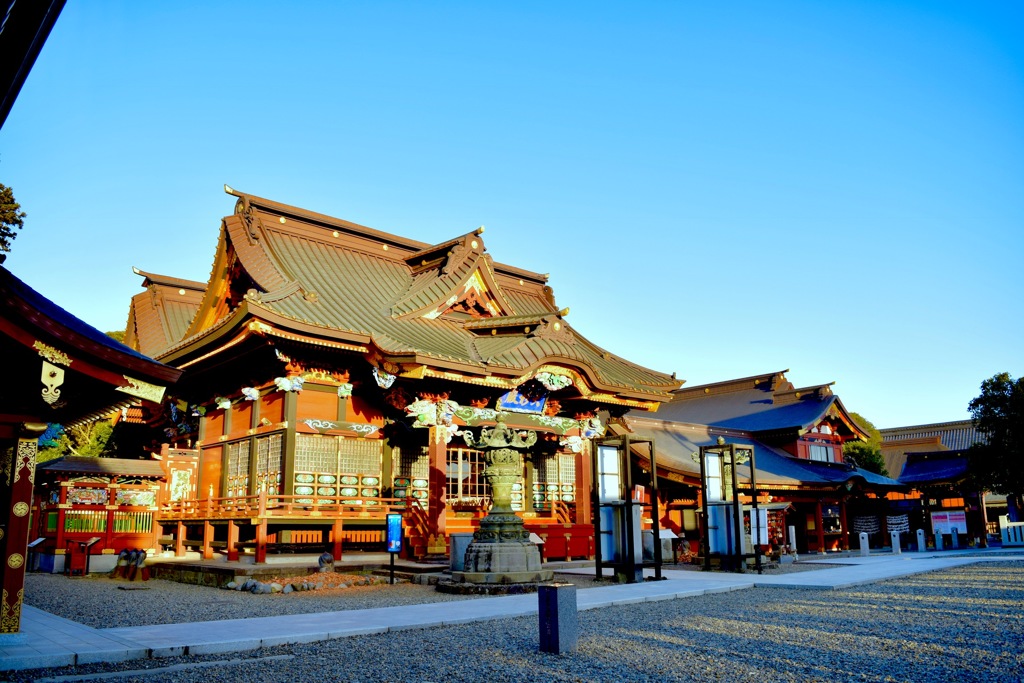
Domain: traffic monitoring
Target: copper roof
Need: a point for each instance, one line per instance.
(408, 300)
(161, 315)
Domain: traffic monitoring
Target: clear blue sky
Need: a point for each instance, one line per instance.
(717, 189)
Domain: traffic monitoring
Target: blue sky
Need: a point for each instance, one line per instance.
(717, 189)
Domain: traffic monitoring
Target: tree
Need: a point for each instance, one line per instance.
(867, 455)
(12, 218)
(997, 464)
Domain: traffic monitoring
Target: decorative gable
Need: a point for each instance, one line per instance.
(452, 278)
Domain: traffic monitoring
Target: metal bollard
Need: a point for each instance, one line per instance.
(894, 538)
(559, 622)
(921, 545)
(865, 550)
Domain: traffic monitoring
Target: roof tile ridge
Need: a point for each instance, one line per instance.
(168, 280)
(731, 385)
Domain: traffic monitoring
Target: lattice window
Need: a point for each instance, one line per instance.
(554, 479)
(412, 469)
(269, 456)
(465, 476)
(238, 468)
(315, 453)
(360, 457)
(333, 466)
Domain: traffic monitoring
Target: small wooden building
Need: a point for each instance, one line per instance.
(331, 369)
(102, 505)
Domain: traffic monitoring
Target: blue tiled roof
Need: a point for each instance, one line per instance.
(934, 468)
(752, 410)
(675, 443)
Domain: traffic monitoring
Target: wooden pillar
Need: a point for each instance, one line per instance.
(59, 546)
(437, 451)
(261, 542)
(207, 538)
(387, 470)
(819, 523)
(336, 530)
(232, 541)
(108, 541)
(18, 492)
(844, 538)
(584, 480)
(179, 540)
(288, 444)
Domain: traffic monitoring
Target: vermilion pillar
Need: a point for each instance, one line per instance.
(15, 541)
(438, 454)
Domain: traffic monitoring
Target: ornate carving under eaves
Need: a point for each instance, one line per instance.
(554, 328)
(251, 220)
(143, 390)
(293, 384)
(52, 378)
(383, 378)
(51, 354)
(456, 256)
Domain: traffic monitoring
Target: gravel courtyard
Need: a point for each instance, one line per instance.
(962, 624)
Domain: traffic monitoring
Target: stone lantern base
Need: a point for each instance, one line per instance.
(502, 563)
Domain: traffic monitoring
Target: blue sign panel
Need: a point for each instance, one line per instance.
(515, 402)
(394, 533)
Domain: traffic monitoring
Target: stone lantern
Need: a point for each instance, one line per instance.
(501, 551)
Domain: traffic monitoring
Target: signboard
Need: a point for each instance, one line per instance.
(945, 522)
(394, 533)
(514, 402)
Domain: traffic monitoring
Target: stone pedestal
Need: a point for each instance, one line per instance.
(558, 618)
(501, 563)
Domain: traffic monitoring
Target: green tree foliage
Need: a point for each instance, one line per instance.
(998, 464)
(117, 335)
(12, 218)
(866, 454)
(88, 440)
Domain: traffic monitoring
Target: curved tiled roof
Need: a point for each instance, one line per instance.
(676, 443)
(348, 281)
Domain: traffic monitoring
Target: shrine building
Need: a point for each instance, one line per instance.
(330, 371)
(797, 437)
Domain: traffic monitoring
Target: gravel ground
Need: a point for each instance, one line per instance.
(102, 602)
(960, 624)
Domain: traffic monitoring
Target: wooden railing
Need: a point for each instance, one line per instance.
(264, 505)
(561, 511)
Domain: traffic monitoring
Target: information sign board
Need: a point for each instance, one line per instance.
(394, 533)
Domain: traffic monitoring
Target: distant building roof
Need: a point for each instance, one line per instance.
(898, 442)
(160, 316)
(942, 467)
(761, 403)
(955, 436)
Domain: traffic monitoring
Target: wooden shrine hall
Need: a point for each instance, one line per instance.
(330, 371)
